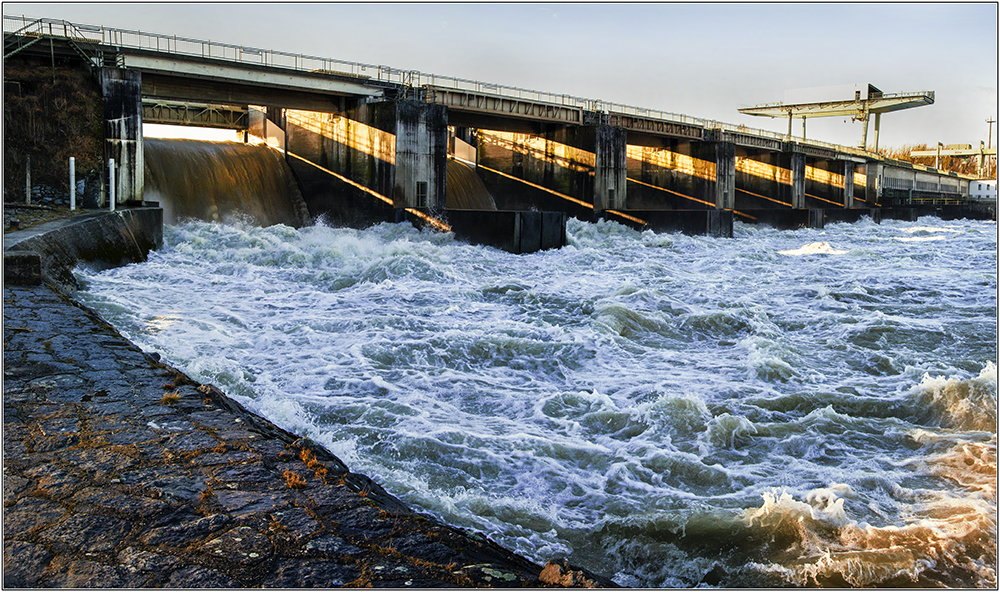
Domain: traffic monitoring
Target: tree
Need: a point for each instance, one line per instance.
(965, 165)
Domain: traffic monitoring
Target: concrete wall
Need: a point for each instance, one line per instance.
(610, 169)
(587, 164)
(421, 170)
(550, 161)
(107, 238)
(514, 232)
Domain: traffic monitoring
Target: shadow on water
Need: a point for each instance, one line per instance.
(215, 181)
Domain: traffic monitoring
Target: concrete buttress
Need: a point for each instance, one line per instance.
(610, 168)
(421, 170)
(848, 184)
(122, 91)
(797, 165)
(725, 175)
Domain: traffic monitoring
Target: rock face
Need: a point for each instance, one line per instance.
(120, 471)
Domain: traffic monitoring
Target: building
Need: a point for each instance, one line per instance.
(983, 190)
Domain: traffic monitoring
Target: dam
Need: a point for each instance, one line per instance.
(371, 143)
(808, 403)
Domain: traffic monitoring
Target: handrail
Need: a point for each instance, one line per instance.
(380, 73)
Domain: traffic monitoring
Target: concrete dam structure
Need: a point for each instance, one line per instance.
(367, 144)
(215, 181)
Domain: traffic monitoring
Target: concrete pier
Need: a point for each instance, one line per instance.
(122, 90)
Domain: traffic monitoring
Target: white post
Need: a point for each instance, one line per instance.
(111, 182)
(72, 183)
(27, 181)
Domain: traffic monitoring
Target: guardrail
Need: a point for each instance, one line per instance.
(201, 48)
(173, 44)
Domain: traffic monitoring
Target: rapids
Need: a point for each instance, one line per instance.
(809, 407)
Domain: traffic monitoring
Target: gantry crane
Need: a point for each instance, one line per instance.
(864, 104)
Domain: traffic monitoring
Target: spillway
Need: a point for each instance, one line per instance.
(219, 181)
(466, 191)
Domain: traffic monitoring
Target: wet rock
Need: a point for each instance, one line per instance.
(186, 530)
(196, 576)
(88, 534)
(126, 505)
(12, 487)
(320, 574)
(329, 544)
(30, 513)
(97, 462)
(106, 486)
(243, 545)
(88, 574)
(293, 523)
(134, 560)
(24, 564)
(241, 503)
(53, 481)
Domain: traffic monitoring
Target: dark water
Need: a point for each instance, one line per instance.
(780, 408)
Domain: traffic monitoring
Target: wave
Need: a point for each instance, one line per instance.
(946, 536)
(627, 400)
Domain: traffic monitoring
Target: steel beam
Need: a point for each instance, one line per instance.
(657, 126)
(216, 116)
(468, 101)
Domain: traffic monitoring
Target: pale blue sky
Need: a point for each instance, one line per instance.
(700, 59)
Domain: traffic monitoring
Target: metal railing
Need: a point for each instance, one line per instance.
(173, 44)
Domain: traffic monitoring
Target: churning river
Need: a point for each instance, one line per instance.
(780, 408)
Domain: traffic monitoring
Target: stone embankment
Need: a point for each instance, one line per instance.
(122, 472)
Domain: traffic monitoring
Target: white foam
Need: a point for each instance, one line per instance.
(930, 229)
(630, 379)
(820, 248)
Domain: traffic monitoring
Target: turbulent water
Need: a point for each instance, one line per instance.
(780, 408)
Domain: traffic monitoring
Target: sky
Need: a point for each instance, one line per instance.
(705, 60)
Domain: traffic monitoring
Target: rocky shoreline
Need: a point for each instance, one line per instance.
(122, 472)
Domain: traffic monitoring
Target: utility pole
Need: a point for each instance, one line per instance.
(989, 136)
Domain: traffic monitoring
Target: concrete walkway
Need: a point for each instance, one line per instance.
(119, 471)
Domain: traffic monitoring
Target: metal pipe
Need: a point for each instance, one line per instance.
(111, 182)
(27, 180)
(878, 120)
(72, 183)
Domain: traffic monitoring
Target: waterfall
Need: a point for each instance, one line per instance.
(466, 191)
(215, 181)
